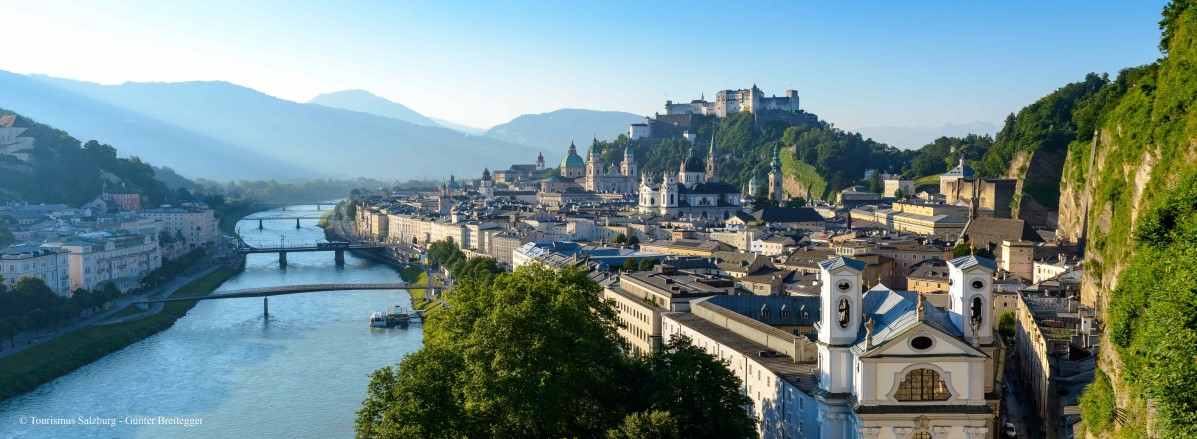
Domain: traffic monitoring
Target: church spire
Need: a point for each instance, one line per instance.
(712, 174)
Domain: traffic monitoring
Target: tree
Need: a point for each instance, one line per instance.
(647, 264)
(630, 264)
(699, 391)
(633, 240)
(900, 194)
(558, 375)
(962, 249)
(655, 424)
(875, 183)
(1006, 323)
(620, 239)
(6, 237)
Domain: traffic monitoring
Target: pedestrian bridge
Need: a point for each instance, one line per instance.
(265, 293)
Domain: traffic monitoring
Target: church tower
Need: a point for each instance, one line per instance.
(775, 177)
(970, 288)
(754, 185)
(628, 168)
(712, 165)
(669, 193)
(540, 161)
(486, 186)
(594, 166)
(839, 321)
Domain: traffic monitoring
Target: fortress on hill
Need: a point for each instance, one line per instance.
(679, 118)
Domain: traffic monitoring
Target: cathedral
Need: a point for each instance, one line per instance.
(695, 191)
(612, 180)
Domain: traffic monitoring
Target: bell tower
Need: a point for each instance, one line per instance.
(839, 321)
(970, 288)
(712, 165)
(628, 168)
(775, 176)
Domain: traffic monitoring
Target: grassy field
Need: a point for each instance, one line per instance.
(26, 370)
(925, 183)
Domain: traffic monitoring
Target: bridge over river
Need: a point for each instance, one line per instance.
(266, 292)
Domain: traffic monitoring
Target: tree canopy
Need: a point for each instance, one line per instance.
(534, 353)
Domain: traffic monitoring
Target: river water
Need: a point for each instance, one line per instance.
(302, 372)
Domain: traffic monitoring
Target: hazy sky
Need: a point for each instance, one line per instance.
(482, 63)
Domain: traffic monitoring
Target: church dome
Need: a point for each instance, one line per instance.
(572, 160)
(453, 183)
(485, 174)
(692, 164)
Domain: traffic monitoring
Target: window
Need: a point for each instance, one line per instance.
(921, 435)
(922, 385)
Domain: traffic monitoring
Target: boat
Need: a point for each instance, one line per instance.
(388, 319)
(378, 320)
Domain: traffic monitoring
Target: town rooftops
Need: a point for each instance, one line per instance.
(788, 215)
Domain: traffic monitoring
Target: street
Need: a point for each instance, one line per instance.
(1020, 410)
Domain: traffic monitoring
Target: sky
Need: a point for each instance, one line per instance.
(855, 64)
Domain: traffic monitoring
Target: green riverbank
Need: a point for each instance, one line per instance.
(25, 370)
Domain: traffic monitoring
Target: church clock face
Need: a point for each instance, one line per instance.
(844, 285)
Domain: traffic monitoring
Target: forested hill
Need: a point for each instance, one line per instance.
(830, 158)
(64, 170)
(1139, 176)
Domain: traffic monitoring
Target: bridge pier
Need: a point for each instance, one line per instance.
(339, 257)
(260, 226)
(282, 259)
(265, 306)
(296, 223)
(318, 208)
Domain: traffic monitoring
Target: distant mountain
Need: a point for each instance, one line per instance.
(365, 102)
(219, 130)
(552, 131)
(915, 137)
(459, 127)
(136, 135)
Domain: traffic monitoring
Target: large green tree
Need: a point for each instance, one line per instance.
(533, 354)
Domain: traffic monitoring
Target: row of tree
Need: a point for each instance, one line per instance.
(534, 354)
(447, 254)
(30, 305)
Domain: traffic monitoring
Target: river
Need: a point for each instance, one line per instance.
(302, 372)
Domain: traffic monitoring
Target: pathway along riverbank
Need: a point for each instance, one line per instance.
(26, 370)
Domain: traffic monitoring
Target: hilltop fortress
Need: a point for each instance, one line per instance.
(679, 118)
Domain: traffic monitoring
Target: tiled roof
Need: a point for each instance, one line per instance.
(834, 263)
(964, 262)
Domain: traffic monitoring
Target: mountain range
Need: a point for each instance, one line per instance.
(220, 130)
(553, 130)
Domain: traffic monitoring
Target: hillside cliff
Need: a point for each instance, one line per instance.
(1130, 192)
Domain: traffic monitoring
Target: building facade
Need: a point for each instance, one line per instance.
(51, 265)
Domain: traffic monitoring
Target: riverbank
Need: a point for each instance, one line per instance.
(37, 365)
(232, 212)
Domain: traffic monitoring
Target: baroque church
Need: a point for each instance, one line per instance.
(590, 174)
(695, 191)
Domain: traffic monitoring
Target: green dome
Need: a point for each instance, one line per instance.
(572, 160)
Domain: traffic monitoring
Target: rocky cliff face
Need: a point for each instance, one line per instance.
(1115, 189)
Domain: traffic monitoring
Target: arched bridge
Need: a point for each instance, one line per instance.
(265, 293)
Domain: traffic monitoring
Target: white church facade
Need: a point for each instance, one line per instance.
(695, 191)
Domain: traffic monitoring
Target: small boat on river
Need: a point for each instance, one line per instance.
(388, 319)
